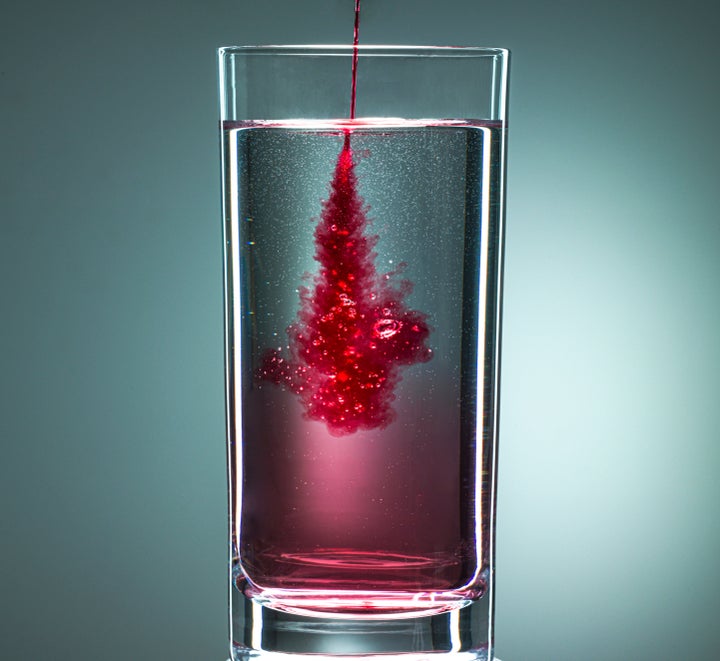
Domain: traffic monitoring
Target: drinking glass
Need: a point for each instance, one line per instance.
(363, 262)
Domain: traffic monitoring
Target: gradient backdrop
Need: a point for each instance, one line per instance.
(113, 464)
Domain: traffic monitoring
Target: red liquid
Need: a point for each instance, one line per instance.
(353, 331)
(356, 39)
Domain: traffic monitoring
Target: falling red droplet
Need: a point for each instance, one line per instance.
(353, 331)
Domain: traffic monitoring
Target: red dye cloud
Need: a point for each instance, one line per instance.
(353, 331)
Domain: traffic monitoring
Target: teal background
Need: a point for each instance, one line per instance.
(112, 476)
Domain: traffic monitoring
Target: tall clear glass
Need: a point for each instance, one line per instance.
(363, 262)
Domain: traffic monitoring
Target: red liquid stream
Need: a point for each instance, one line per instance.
(353, 331)
(356, 39)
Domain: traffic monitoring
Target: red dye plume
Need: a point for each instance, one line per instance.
(353, 330)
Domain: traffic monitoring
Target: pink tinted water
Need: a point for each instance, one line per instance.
(331, 515)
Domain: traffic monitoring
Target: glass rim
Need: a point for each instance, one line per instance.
(377, 50)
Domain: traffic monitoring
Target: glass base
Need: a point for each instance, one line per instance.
(463, 634)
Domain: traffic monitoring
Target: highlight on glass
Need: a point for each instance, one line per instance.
(363, 201)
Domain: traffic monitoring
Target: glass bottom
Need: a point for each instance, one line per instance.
(463, 634)
(273, 656)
